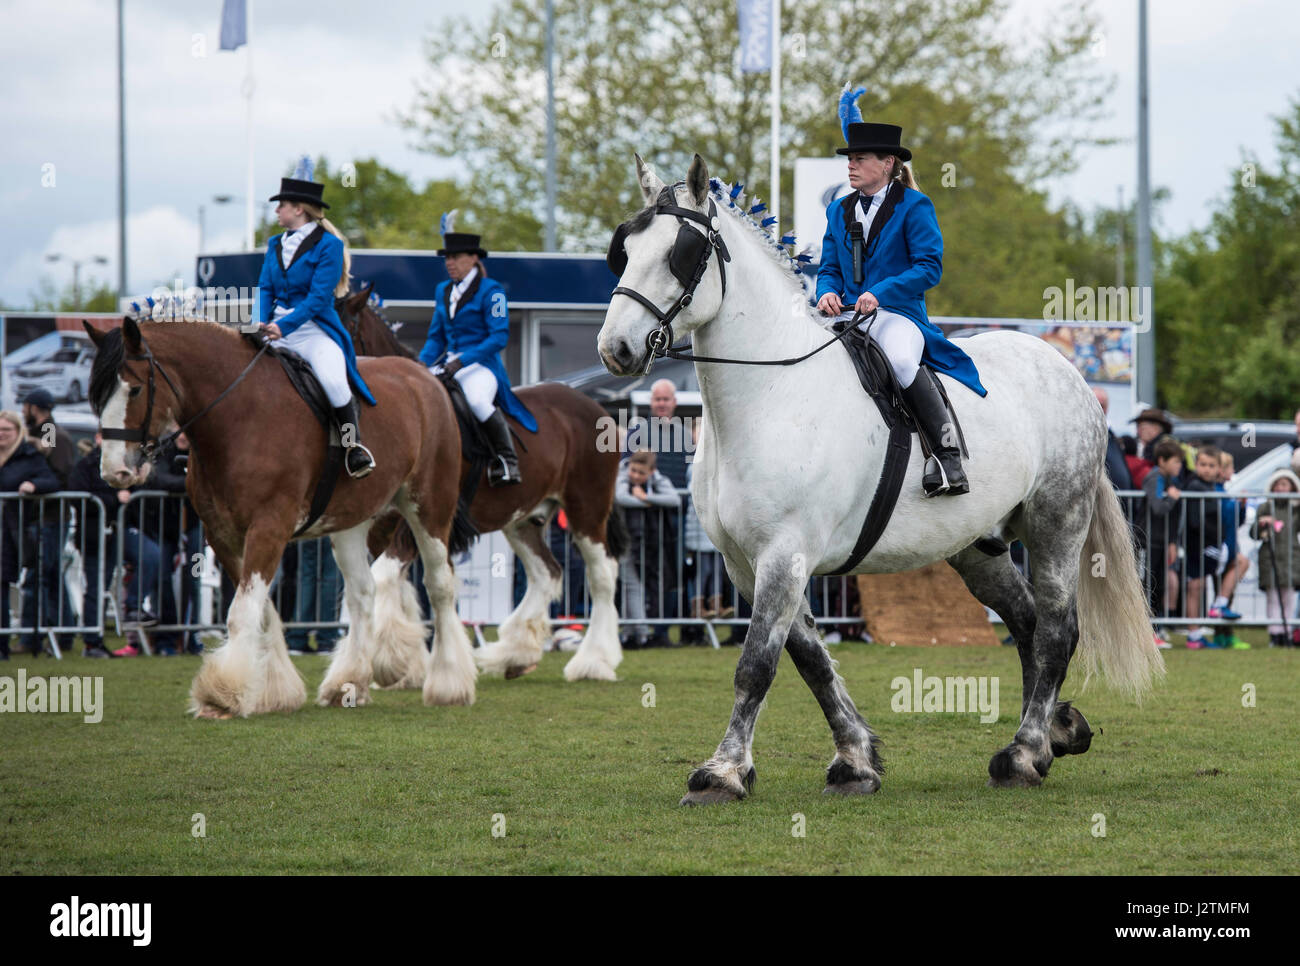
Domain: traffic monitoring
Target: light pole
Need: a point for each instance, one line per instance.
(216, 200)
(76, 273)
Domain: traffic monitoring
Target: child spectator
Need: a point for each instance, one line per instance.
(1204, 545)
(1276, 526)
(1236, 563)
(645, 494)
(1162, 550)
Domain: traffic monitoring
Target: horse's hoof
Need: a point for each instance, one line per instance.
(710, 796)
(518, 671)
(843, 779)
(866, 786)
(1070, 733)
(213, 713)
(705, 787)
(1013, 767)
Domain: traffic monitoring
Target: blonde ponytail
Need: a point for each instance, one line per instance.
(903, 173)
(317, 214)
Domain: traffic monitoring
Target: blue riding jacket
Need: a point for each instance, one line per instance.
(905, 260)
(478, 333)
(307, 289)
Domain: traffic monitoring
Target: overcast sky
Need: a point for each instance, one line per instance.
(330, 76)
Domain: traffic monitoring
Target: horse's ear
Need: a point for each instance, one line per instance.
(697, 181)
(648, 180)
(95, 335)
(367, 291)
(131, 334)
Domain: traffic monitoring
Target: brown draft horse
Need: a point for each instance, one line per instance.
(255, 455)
(562, 465)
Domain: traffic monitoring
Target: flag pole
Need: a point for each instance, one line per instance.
(121, 152)
(775, 202)
(249, 86)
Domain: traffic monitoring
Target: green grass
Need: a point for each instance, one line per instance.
(588, 779)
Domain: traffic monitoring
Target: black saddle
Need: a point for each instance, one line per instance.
(878, 379)
(304, 381)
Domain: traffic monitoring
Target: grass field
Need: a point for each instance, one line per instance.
(587, 778)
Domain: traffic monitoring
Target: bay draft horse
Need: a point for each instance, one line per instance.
(566, 464)
(256, 452)
(778, 498)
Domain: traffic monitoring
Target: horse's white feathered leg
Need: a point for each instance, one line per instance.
(347, 682)
(522, 636)
(251, 673)
(600, 652)
(398, 631)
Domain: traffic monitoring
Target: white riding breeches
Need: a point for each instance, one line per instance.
(902, 342)
(325, 358)
(479, 386)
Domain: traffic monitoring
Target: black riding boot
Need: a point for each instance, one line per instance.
(504, 467)
(359, 461)
(926, 405)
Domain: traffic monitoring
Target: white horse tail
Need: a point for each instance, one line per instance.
(1115, 636)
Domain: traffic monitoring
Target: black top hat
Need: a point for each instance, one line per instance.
(876, 138)
(303, 192)
(458, 242)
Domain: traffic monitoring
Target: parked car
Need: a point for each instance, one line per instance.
(1247, 440)
(63, 371)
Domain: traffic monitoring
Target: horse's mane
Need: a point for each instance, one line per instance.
(103, 373)
(111, 353)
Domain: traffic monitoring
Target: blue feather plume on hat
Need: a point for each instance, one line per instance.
(448, 220)
(849, 113)
(305, 168)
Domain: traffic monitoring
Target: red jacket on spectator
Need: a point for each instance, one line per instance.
(1138, 468)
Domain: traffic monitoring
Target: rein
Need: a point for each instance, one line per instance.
(677, 352)
(150, 444)
(659, 341)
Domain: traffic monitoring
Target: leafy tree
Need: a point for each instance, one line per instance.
(375, 206)
(1228, 298)
(92, 297)
(661, 77)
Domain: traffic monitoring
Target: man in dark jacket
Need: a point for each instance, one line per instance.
(46, 580)
(50, 441)
(26, 472)
(97, 514)
(1116, 468)
(151, 542)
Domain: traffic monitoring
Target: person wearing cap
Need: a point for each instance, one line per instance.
(881, 252)
(470, 327)
(1150, 425)
(305, 269)
(50, 441)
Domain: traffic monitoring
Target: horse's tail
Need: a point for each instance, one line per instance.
(464, 531)
(617, 537)
(1115, 636)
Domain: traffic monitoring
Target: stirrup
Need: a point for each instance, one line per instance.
(943, 475)
(364, 471)
(503, 477)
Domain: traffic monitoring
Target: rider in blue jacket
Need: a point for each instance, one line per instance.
(470, 327)
(305, 269)
(882, 251)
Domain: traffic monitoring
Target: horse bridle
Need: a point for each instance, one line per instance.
(150, 443)
(688, 260)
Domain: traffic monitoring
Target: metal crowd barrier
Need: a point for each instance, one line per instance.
(151, 571)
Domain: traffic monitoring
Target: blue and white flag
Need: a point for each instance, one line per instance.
(234, 24)
(755, 35)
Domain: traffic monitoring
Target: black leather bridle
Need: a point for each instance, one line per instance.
(688, 260)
